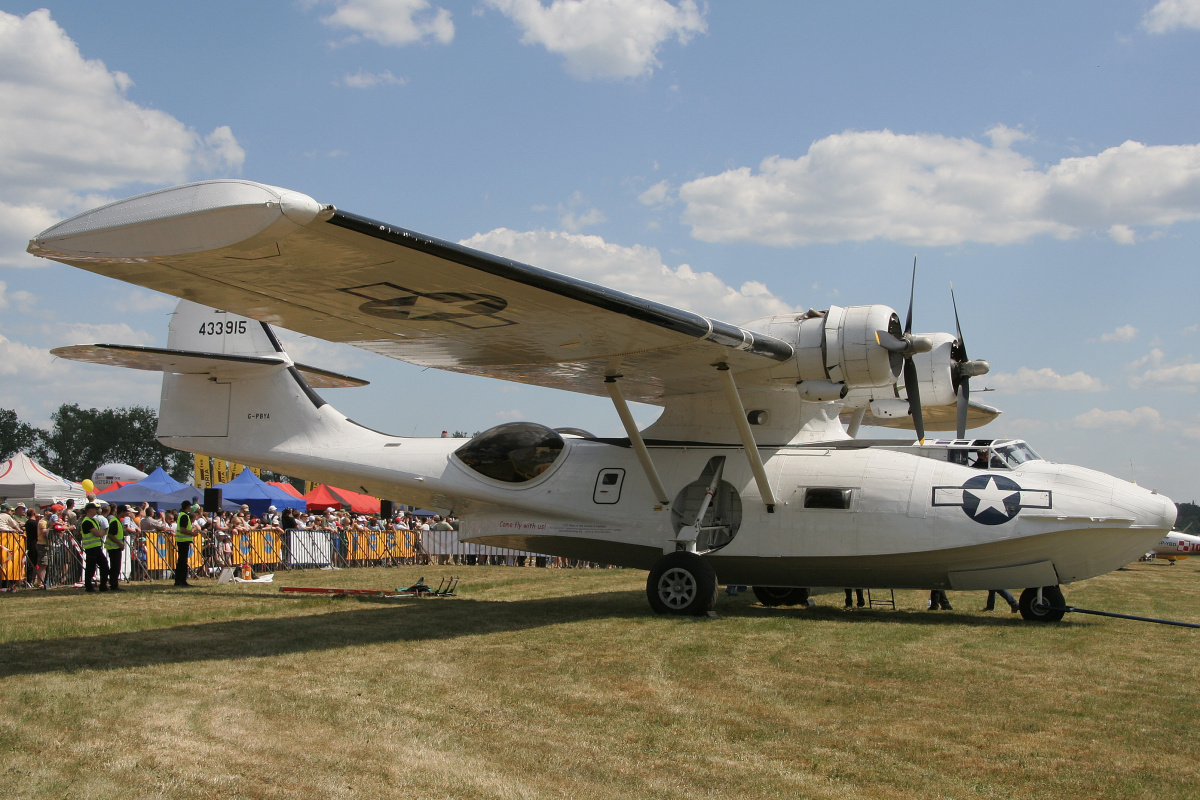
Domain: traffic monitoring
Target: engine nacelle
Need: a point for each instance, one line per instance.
(839, 345)
(935, 376)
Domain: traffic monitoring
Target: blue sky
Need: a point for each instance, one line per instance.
(738, 159)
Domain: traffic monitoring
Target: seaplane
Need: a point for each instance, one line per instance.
(754, 474)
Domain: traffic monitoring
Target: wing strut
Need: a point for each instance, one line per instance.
(635, 438)
(748, 443)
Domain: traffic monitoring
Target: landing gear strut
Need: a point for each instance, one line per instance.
(682, 583)
(1041, 608)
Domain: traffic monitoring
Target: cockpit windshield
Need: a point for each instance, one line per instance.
(981, 453)
(1014, 454)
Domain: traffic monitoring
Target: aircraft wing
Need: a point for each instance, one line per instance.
(280, 257)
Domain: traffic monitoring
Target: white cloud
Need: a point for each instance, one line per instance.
(1124, 333)
(574, 217)
(637, 270)
(1028, 381)
(392, 22)
(604, 39)
(1122, 234)
(926, 189)
(1143, 417)
(68, 134)
(1170, 15)
(369, 80)
(656, 195)
(61, 334)
(1181, 376)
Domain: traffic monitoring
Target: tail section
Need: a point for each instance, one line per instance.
(229, 389)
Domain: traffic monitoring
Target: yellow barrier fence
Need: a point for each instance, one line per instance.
(12, 556)
(258, 548)
(160, 551)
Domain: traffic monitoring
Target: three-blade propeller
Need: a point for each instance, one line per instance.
(906, 347)
(962, 369)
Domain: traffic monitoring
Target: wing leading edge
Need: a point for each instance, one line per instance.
(280, 257)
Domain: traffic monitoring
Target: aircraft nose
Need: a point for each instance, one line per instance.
(1169, 512)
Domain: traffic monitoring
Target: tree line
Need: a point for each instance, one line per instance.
(81, 439)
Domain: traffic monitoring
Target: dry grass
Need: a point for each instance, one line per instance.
(545, 683)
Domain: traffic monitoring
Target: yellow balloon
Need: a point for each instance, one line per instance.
(87, 485)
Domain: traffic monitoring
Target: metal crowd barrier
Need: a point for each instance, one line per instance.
(270, 551)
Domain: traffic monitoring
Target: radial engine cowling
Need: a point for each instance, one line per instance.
(839, 345)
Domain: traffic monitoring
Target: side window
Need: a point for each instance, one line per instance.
(827, 498)
(608, 486)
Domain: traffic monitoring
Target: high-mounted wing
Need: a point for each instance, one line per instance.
(280, 257)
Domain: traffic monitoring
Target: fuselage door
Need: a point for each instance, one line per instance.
(608, 486)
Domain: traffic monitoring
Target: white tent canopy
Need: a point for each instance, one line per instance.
(21, 478)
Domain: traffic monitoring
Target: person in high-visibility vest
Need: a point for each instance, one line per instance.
(183, 542)
(114, 546)
(93, 549)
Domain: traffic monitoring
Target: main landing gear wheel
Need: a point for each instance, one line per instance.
(1052, 598)
(781, 595)
(682, 583)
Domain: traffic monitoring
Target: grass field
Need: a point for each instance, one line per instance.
(560, 683)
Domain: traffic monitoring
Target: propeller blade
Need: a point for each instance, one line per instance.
(914, 398)
(911, 291)
(964, 396)
(958, 328)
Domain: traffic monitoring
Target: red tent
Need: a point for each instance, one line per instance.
(287, 487)
(323, 497)
(114, 485)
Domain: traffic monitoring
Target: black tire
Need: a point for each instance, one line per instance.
(781, 595)
(682, 583)
(1051, 611)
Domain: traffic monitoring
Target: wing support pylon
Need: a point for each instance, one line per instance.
(635, 439)
(748, 444)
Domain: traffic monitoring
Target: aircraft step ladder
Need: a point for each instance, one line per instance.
(889, 601)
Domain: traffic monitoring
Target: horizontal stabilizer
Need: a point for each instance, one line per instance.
(190, 362)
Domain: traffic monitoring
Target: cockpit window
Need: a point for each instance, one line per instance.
(515, 452)
(1016, 453)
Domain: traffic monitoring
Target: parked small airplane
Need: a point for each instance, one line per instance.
(1176, 546)
(747, 477)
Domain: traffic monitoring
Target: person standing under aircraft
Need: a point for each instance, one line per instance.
(849, 598)
(93, 549)
(183, 542)
(938, 599)
(1006, 594)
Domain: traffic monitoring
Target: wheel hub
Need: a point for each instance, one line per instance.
(677, 587)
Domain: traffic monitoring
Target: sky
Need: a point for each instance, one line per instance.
(736, 159)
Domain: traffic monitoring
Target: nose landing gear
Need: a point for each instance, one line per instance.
(781, 595)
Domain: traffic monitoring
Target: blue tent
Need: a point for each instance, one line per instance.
(158, 489)
(249, 490)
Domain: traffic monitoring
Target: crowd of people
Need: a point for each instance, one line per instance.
(99, 534)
